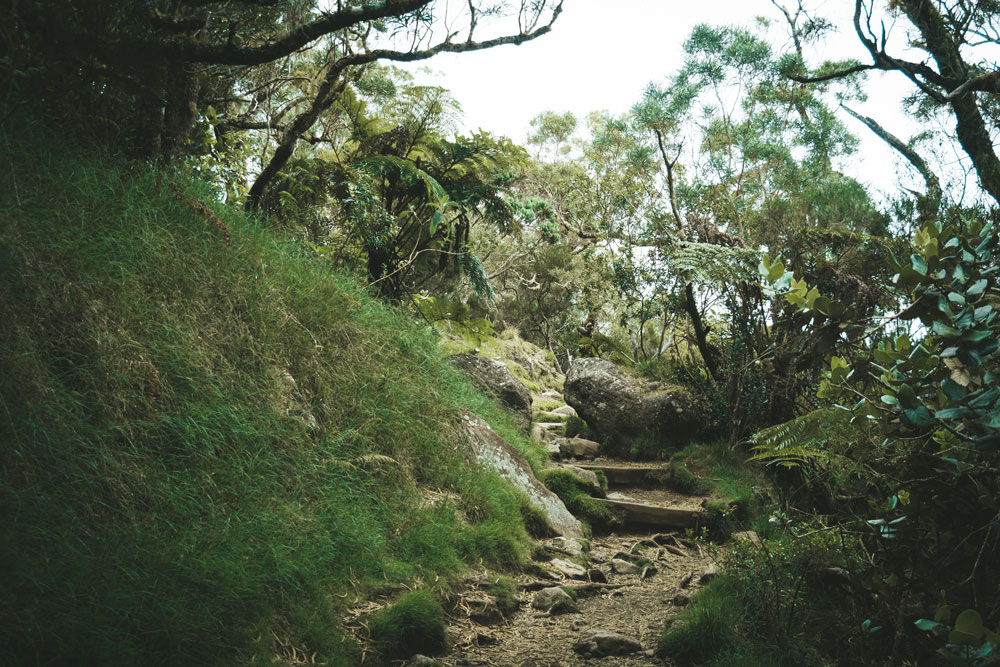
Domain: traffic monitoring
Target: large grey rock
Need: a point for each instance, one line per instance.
(565, 411)
(617, 406)
(488, 449)
(494, 378)
(601, 643)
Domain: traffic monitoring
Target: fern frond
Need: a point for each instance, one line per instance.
(803, 440)
(710, 263)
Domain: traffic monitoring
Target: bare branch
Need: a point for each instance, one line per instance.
(932, 199)
(833, 75)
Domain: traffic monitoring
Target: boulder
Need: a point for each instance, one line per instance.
(565, 411)
(488, 449)
(601, 643)
(615, 405)
(495, 378)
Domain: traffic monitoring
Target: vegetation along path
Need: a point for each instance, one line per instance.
(607, 597)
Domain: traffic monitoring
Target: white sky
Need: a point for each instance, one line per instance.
(601, 54)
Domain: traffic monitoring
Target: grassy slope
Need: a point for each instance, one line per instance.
(165, 499)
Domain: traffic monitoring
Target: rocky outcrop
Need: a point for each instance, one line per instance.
(623, 409)
(488, 449)
(495, 378)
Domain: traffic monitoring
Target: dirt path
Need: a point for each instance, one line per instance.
(635, 604)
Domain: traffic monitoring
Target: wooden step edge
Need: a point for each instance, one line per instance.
(626, 475)
(656, 515)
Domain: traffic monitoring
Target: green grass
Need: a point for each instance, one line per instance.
(740, 487)
(415, 623)
(577, 428)
(504, 594)
(208, 447)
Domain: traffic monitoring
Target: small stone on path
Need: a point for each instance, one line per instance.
(554, 600)
(601, 643)
(624, 567)
(711, 572)
(569, 568)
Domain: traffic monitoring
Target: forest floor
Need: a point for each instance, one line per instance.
(634, 604)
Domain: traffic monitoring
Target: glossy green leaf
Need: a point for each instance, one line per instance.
(977, 287)
(942, 329)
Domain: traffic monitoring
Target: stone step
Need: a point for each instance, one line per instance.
(627, 475)
(655, 515)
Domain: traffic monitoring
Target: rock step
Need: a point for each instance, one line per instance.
(655, 515)
(626, 475)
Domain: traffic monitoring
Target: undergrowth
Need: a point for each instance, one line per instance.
(740, 489)
(780, 601)
(210, 446)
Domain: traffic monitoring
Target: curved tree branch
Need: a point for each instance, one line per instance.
(334, 83)
(930, 201)
(190, 50)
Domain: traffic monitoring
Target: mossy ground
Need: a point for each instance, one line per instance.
(211, 445)
(576, 494)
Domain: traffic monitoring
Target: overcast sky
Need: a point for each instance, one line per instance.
(601, 54)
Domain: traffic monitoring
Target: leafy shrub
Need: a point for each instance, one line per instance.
(769, 593)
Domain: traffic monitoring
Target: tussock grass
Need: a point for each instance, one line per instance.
(504, 594)
(209, 447)
(413, 624)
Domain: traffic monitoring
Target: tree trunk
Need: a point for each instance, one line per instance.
(332, 86)
(700, 333)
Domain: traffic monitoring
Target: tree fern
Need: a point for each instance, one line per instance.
(712, 264)
(815, 439)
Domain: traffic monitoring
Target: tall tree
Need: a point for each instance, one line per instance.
(958, 75)
(154, 67)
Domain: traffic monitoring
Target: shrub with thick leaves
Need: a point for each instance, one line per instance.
(933, 395)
